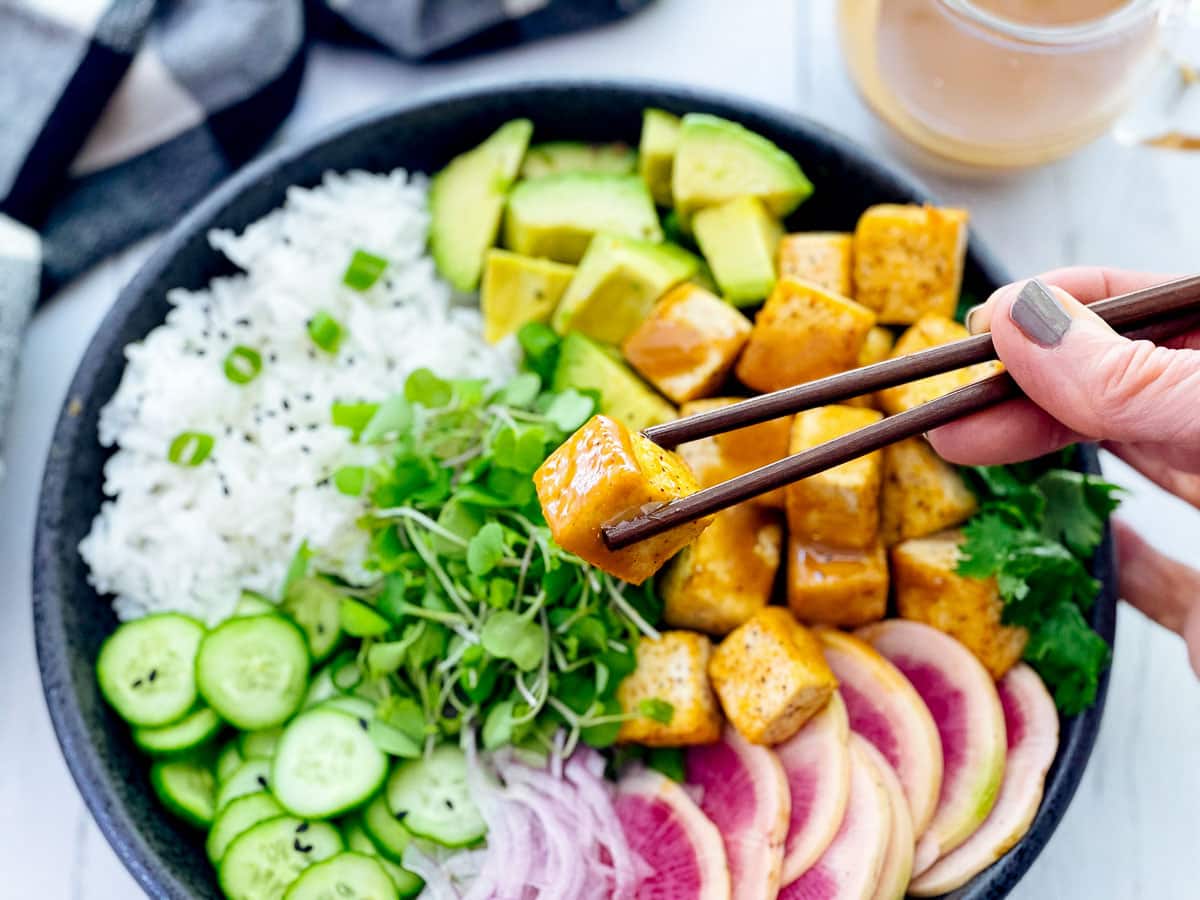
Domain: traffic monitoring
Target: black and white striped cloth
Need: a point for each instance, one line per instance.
(117, 115)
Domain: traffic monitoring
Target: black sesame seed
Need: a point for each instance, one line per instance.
(291, 429)
(262, 781)
(272, 357)
(362, 723)
(242, 322)
(153, 674)
(401, 815)
(200, 351)
(320, 628)
(308, 397)
(138, 683)
(301, 828)
(304, 448)
(449, 804)
(224, 335)
(284, 403)
(301, 848)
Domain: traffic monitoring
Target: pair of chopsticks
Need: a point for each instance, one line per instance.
(1155, 313)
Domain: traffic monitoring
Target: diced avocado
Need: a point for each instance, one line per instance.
(556, 216)
(557, 157)
(466, 200)
(704, 278)
(616, 285)
(718, 160)
(656, 152)
(519, 289)
(739, 239)
(585, 366)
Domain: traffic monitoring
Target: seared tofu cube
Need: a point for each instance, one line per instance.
(601, 474)
(876, 348)
(930, 590)
(838, 507)
(771, 676)
(726, 575)
(922, 493)
(803, 332)
(820, 257)
(827, 586)
(688, 343)
(674, 670)
(908, 261)
(931, 331)
(732, 453)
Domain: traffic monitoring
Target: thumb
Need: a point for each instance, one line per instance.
(1091, 379)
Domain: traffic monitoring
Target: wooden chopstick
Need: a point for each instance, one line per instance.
(1159, 324)
(1127, 310)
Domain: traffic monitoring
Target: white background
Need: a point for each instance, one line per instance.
(1133, 830)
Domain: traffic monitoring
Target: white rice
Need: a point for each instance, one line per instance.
(190, 539)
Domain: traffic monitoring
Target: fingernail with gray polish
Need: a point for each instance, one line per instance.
(1039, 315)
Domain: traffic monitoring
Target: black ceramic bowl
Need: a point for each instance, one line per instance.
(165, 857)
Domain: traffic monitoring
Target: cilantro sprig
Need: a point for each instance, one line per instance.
(1035, 532)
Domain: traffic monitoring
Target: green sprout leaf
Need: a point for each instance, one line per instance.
(508, 636)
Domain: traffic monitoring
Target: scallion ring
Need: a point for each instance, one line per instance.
(243, 364)
(364, 270)
(326, 331)
(190, 448)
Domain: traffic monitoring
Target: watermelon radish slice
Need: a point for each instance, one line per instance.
(816, 761)
(886, 710)
(744, 791)
(962, 698)
(850, 866)
(1032, 725)
(898, 861)
(682, 849)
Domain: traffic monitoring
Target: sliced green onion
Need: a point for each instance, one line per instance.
(364, 270)
(326, 331)
(190, 448)
(350, 480)
(243, 364)
(360, 620)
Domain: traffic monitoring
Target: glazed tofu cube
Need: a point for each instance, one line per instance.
(771, 676)
(922, 493)
(820, 257)
(837, 587)
(931, 331)
(725, 576)
(604, 473)
(803, 332)
(672, 669)
(688, 343)
(838, 507)
(908, 261)
(929, 590)
(876, 348)
(724, 456)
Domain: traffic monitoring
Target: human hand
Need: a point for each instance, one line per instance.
(1085, 382)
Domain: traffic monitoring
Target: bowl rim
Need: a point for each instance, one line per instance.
(49, 594)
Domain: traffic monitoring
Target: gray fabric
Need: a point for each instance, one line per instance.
(19, 278)
(414, 29)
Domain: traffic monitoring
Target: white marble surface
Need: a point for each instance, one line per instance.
(1133, 830)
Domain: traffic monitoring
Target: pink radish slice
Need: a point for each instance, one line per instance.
(886, 710)
(966, 709)
(898, 861)
(744, 792)
(1032, 725)
(850, 866)
(816, 761)
(680, 846)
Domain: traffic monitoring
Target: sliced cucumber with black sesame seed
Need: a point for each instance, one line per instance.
(259, 744)
(386, 831)
(240, 815)
(194, 729)
(253, 670)
(315, 605)
(263, 861)
(251, 776)
(430, 796)
(356, 837)
(326, 764)
(229, 760)
(347, 876)
(146, 669)
(185, 787)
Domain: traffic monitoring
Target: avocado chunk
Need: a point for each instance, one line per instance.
(557, 215)
(656, 153)
(558, 157)
(586, 366)
(718, 160)
(519, 289)
(466, 200)
(739, 239)
(616, 285)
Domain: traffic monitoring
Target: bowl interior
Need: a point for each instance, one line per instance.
(71, 620)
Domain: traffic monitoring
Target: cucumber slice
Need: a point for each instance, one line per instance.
(314, 604)
(259, 744)
(321, 688)
(146, 669)
(191, 731)
(326, 764)
(264, 860)
(359, 707)
(250, 777)
(240, 815)
(430, 795)
(252, 604)
(254, 670)
(185, 788)
(407, 884)
(229, 760)
(347, 876)
(385, 830)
